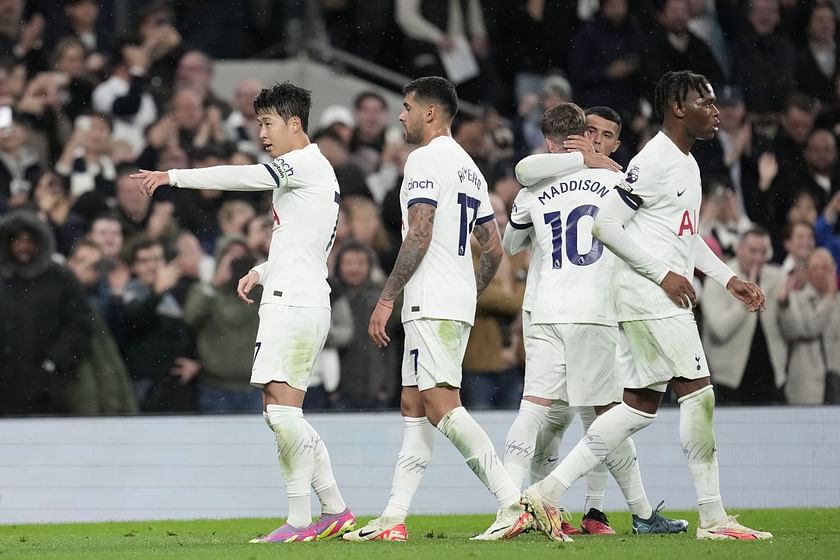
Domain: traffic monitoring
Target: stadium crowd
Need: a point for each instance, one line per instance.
(115, 303)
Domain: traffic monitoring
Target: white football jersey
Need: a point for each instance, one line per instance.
(305, 213)
(576, 269)
(667, 181)
(444, 175)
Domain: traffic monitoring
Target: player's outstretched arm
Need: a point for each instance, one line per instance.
(421, 221)
(487, 234)
(256, 177)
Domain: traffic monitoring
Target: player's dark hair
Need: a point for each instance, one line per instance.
(563, 120)
(673, 87)
(287, 100)
(439, 91)
(365, 95)
(605, 113)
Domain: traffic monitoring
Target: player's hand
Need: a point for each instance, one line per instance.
(246, 284)
(679, 289)
(151, 180)
(378, 320)
(591, 158)
(747, 292)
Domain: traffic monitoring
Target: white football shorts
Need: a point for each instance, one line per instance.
(288, 341)
(572, 362)
(653, 351)
(434, 352)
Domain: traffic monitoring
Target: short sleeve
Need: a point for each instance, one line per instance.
(419, 182)
(640, 185)
(520, 214)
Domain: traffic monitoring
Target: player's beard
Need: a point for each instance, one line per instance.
(413, 135)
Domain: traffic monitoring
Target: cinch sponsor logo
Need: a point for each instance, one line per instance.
(421, 184)
(569, 186)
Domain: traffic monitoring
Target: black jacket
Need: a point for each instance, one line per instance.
(43, 317)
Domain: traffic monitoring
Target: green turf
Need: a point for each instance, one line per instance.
(811, 534)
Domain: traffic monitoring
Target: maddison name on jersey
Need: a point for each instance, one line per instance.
(570, 186)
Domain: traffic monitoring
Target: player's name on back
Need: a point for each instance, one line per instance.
(570, 186)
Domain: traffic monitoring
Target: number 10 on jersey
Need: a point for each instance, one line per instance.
(555, 220)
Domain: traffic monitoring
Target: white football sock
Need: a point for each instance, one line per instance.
(605, 434)
(468, 437)
(521, 440)
(697, 438)
(296, 450)
(624, 467)
(323, 481)
(547, 449)
(596, 479)
(415, 454)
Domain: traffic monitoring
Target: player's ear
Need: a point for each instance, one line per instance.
(678, 109)
(617, 146)
(431, 111)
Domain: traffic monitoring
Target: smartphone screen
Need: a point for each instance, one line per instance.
(5, 118)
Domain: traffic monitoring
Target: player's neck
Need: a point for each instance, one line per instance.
(432, 133)
(679, 137)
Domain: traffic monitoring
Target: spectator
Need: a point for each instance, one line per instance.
(706, 26)
(821, 176)
(68, 58)
(102, 386)
(370, 112)
(158, 349)
(327, 370)
(225, 328)
(241, 127)
(86, 159)
(745, 351)
(106, 233)
(351, 180)
(489, 378)
(195, 72)
(605, 57)
(824, 235)
(339, 119)
(764, 61)
(818, 62)
(810, 322)
(233, 215)
(673, 46)
(162, 42)
(719, 221)
(125, 96)
(46, 320)
(19, 165)
(257, 233)
(799, 243)
(82, 20)
(133, 209)
(432, 27)
(23, 40)
(52, 198)
(368, 373)
(366, 227)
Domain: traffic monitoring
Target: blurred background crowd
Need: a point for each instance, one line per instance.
(115, 303)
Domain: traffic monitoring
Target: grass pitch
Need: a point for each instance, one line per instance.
(798, 533)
